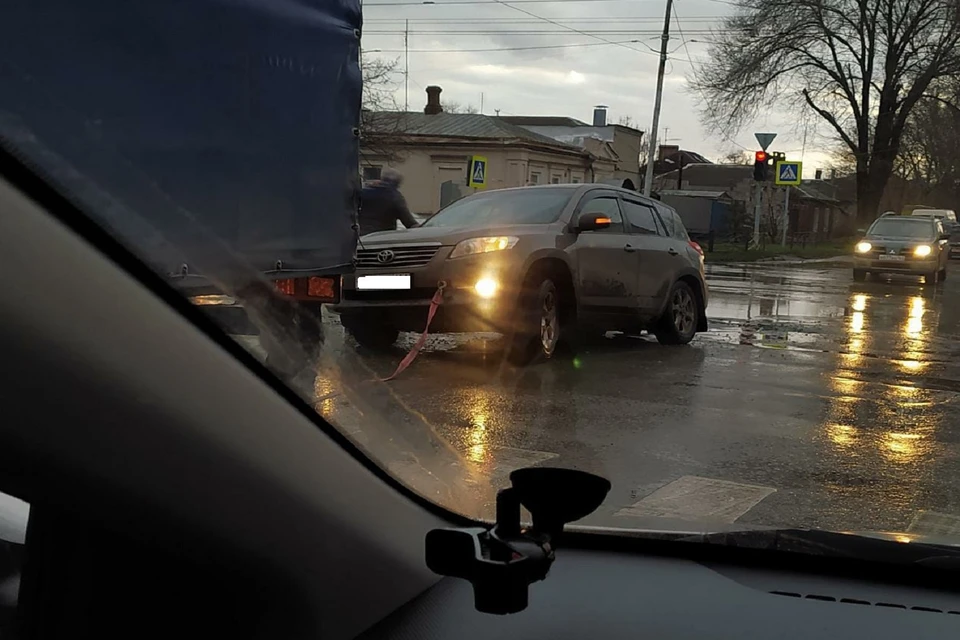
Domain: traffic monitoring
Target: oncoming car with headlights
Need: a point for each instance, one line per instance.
(904, 245)
(535, 264)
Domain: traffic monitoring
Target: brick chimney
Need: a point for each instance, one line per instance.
(433, 101)
(600, 115)
(667, 150)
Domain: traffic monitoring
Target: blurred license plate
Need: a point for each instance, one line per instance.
(892, 258)
(394, 282)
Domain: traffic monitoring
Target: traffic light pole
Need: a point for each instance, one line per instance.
(756, 215)
(652, 139)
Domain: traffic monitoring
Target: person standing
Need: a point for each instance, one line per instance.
(382, 204)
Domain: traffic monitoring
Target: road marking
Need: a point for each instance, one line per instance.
(933, 523)
(505, 459)
(697, 498)
(494, 464)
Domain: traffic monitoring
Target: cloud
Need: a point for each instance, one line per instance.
(523, 65)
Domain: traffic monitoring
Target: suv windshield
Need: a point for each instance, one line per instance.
(918, 229)
(715, 331)
(533, 206)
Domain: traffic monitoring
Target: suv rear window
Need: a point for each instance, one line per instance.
(510, 206)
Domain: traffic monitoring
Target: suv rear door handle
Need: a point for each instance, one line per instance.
(629, 248)
(673, 251)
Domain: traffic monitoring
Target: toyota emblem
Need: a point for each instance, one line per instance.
(385, 256)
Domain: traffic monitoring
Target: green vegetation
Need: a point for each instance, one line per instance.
(728, 252)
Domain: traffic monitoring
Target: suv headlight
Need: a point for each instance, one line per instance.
(483, 245)
(863, 247)
(922, 251)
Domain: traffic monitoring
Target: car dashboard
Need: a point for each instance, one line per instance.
(595, 594)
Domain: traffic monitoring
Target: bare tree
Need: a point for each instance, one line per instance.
(380, 120)
(861, 66)
(627, 121)
(736, 157)
(456, 107)
(930, 150)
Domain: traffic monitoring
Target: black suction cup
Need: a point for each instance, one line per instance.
(502, 561)
(555, 497)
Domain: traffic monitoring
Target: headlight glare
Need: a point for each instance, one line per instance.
(922, 251)
(486, 287)
(483, 245)
(864, 247)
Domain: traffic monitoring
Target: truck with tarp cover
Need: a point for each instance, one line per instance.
(217, 139)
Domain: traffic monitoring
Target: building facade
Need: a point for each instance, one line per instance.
(433, 150)
(617, 143)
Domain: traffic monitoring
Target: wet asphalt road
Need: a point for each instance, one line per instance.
(812, 402)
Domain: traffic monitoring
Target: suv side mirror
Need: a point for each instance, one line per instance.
(593, 221)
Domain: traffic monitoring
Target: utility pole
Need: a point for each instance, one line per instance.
(786, 217)
(406, 65)
(652, 151)
(481, 103)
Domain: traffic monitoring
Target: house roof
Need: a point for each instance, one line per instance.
(821, 190)
(711, 175)
(463, 125)
(544, 121)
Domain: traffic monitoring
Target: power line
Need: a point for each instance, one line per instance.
(588, 19)
(430, 3)
(563, 26)
(696, 78)
(530, 32)
(531, 48)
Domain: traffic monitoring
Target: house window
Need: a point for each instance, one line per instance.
(575, 180)
(555, 180)
(534, 177)
(371, 173)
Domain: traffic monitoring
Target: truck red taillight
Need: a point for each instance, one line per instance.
(312, 288)
(322, 287)
(287, 286)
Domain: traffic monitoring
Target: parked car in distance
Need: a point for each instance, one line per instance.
(537, 264)
(943, 215)
(916, 245)
(949, 219)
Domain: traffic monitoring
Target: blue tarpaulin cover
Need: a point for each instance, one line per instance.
(211, 136)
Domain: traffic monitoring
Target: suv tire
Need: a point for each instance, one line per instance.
(369, 331)
(539, 334)
(680, 319)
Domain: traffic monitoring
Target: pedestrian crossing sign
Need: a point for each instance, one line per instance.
(477, 176)
(789, 173)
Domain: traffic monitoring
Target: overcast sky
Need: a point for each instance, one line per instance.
(563, 57)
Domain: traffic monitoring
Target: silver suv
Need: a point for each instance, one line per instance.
(537, 264)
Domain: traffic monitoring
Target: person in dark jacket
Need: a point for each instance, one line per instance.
(382, 204)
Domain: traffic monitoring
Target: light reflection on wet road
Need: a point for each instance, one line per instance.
(813, 401)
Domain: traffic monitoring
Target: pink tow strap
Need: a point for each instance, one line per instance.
(408, 359)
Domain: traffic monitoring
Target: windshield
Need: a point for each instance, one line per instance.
(902, 229)
(531, 206)
(719, 339)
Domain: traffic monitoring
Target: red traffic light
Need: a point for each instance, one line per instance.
(761, 156)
